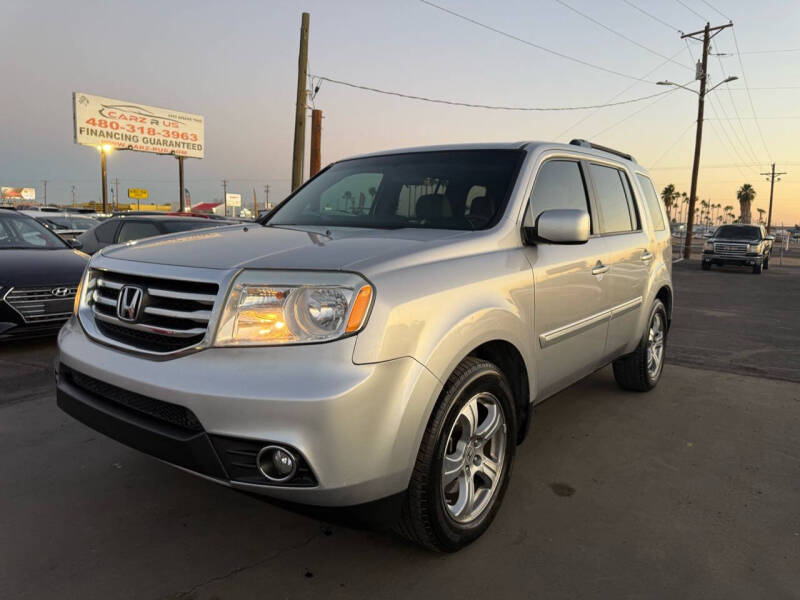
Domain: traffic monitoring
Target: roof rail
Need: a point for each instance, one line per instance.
(588, 144)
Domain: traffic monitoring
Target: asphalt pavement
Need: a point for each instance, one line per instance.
(690, 491)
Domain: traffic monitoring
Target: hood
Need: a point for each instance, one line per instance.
(257, 247)
(31, 268)
(735, 240)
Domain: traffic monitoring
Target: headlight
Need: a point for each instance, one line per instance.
(754, 247)
(277, 307)
(709, 246)
(79, 292)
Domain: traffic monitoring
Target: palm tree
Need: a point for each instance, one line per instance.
(761, 212)
(669, 195)
(704, 210)
(729, 211)
(745, 196)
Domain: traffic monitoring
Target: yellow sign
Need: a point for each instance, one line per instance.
(137, 193)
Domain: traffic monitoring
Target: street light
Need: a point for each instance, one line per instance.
(701, 95)
(104, 149)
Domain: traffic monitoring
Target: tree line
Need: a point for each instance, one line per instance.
(707, 212)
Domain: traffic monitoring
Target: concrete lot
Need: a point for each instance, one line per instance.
(690, 491)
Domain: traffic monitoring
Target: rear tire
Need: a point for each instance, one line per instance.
(641, 370)
(766, 264)
(472, 429)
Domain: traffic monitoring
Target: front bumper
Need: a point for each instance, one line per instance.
(740, 260)
(357, 427)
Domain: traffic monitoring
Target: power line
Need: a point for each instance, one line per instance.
(532, 44)
(614, 97)
(633, 114)
(487, 106)
(691, 10)
(747, 145)
(749, 96)
(778, 51)
(651, 15)
(672, 145)
(624, 37)
(715, 9)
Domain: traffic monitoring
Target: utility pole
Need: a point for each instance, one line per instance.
(225, 195)
(44, 181)
(300, 108)
(772, 175)
(702, 74)
(255, 205)
(266, 197)
(116, 192)
(73, 196)
(316, 141)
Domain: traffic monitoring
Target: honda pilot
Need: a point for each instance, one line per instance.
(384, 333)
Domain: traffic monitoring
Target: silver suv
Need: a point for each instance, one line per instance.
(383, 333)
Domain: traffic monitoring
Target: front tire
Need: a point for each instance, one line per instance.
(706, 266)
(758, 268)
(641, 370)
(464, 461)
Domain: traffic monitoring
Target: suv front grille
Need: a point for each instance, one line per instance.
(730, 248)
(42, 304)
(173, 315)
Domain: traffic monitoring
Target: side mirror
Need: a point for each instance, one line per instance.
(75, 244)
(560, 226)
(770, 237)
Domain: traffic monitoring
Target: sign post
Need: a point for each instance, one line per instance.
(137, 194)
(234, 201)
(106, 123)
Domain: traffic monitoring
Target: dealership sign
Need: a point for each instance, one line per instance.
(104, 121)
(17, 193)
(137, 193)
(233, 199)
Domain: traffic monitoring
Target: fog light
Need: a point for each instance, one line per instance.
(276, 463)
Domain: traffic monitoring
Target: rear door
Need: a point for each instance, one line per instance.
(629, 253)
(569, 289)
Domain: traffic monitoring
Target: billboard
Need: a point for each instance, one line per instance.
(17, 193)
(132, 126)
(233, 199)
(137, 193)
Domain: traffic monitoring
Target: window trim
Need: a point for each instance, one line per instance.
(664, 218)
(582, 169)
(628, 202)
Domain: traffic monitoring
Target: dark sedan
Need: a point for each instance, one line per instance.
(127, 228)
(39, 275)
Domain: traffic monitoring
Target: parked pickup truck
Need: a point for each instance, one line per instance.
(742, 245)
(384, 333)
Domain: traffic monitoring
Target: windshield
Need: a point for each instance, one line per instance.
(24, 232)
(463, 189)
(81, 223)
(732, 232)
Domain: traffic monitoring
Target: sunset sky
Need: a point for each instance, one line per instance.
(235, 63)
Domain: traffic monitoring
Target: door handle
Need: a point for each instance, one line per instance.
(647, 256)
(600, 269)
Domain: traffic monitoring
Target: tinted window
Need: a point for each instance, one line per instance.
(105, 232)
(734, 232)
(419, 190)
(559, 184)
(176, 226)
(652, 201)
(614, 201)
(24, 232)
(136, 230)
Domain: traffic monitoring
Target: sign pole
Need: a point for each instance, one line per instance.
(182, 195)
(104, 177)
